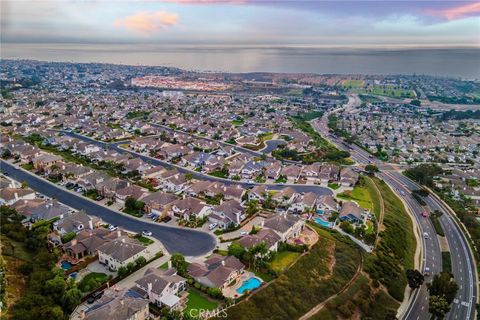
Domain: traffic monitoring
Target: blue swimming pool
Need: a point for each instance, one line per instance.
(250, 284)
(319, 211)
(323, 223)
(66, 265)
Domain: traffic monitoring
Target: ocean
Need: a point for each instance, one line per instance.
(452, 62)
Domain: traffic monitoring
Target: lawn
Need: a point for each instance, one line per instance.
(146, 241)
(197, 300)
(446, 261)
(437, 225)
(283, 260)
(281, 179)
(333, 186)
(27, 166)
(164, 266)
(386, 90)
(308, 282)
(361, 193)
(92, 281)
(237, 122)
(353, 83)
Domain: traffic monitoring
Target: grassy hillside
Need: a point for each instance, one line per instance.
(396, 249)
(308, 282)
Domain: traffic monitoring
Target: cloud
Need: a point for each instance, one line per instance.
(206, 1)
(458, 12)
(147, 22)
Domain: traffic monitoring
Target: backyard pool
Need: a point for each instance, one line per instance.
(250, 284)
(319, 211)
(323, 223)
(66, 265)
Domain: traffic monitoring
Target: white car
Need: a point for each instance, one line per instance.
(212, 226)
(243, 233)
(147, 233)
(425, 235)
(113, 227)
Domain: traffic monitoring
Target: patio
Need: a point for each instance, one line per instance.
(231, 291)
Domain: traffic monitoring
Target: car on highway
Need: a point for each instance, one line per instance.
(113, 227)
(425, 214)
(427, 272)
(146, 233)
(212, 226)
(425, 235)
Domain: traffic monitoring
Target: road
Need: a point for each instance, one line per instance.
(463, 264)
(201, 176)
(189, 242)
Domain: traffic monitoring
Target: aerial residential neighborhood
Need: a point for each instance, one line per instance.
(242, 160)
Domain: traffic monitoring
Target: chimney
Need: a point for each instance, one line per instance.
(90, 224)
(169, 264)
(223, 262)
(16, 196)
(149, 288)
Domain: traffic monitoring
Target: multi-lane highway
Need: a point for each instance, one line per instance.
(186, 241)
(463, 263)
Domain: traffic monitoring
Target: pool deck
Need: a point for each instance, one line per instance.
(231, 292)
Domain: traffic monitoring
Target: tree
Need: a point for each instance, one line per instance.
(122, 271)
(415, 278)
(443, 285)
(189, 176)
(236, 250)
(178, 261)
(252, 208)
(130, 266)
(438, 306)
(346, 226)
(71, 299)
(55, 287)
(140, 261)
(371, 168)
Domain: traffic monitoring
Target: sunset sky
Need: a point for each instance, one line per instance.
(244, 22)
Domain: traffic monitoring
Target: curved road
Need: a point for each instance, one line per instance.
(189, 242)
(463, 263)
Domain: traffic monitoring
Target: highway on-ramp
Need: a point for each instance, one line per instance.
(189, 242)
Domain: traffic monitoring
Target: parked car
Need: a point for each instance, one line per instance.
(95, 296)
(243, 233)
(112, 227)
(167, 219)
(98, 198)
(69, 185)
(212, 226)
(146, 233)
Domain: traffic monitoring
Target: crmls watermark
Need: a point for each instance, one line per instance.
(206, 314)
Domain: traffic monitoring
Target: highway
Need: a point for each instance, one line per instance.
(186, 241)
(463, 263)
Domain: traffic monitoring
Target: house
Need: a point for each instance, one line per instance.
(118, 305)
(45, 161)
(311, 172)
(348, 177)
(327, 204)
(286, 196)
(190, 207)
(88, 241)
(292, 172)
(74, 222)
(118, 253)
(133, 191)
(305, 202)
(273, 171)
(258, 193)
(217, 271)
(158, 203)
(9, 196)
(351, 212)
(228, 213)
(265, 235)
(287, 226)
(162, 288)
(49, 210)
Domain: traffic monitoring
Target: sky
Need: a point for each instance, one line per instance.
(244, 22)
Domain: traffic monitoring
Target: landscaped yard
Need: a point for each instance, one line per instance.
(333, 186)
(283, 260)
(164, 265)
(146, 241)
(197, 300)
(361, 193)
(92, 281)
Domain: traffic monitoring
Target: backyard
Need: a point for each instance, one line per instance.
(283, 260)
(92, 281)
(197, 300)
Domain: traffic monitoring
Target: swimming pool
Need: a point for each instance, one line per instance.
(319, 211)
(66, 265)
(323, 223)
(250, 284)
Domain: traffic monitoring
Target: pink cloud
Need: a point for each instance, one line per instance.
(147, 22)
(458, 12)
